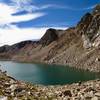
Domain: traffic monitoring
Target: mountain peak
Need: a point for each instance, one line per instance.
(49, 36)
(96, 9)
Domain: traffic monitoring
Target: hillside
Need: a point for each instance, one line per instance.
(77, 46)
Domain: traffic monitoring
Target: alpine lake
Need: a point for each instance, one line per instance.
(45, 74)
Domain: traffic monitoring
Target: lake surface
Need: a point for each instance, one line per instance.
(46, 74)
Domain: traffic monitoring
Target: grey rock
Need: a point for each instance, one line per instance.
(97, 94)
(95, 98)
(3, 98)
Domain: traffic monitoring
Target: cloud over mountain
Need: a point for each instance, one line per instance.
(28, 19)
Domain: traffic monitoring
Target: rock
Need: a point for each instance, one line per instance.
(3, 98)
(29, 93)
(88, 95)
(13, 87)
(97, 94)
(8, 92)
(95, 98)
(83, 24)
(86, 42)
(6, 85)
(79, 83)
(89, 89)
(18, 90)
(97, 60)
(12, 81)
(67, 93)
(15, 98)
(12, 93)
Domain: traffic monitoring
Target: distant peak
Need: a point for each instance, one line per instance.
(49, 36)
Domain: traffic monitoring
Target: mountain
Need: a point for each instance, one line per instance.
(77, 46)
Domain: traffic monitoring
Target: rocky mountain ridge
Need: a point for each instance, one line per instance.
(89, 27)
(77, 46)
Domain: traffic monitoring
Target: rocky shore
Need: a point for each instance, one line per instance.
(12, 89)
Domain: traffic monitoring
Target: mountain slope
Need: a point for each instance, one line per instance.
(77, 46)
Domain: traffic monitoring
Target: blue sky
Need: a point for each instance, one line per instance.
(28, 19)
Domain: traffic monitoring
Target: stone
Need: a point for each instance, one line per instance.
(12, 93)
(88, 95)
(12, 81)
(29, 93)
(97, 94)
(13, 87)
(95, 98)
(67, 93)
(17, 90)
(15, 98)
(79, 83)
(89, 89)
(6, 85)
(3, 98)
(97, 60)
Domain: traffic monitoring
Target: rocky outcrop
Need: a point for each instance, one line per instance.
(89, 27)
(4, 48)
(50, 36)
(97, 9)
(84, 23)
(21, 44)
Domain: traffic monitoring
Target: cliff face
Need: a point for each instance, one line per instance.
(77, 46)
(89, 28)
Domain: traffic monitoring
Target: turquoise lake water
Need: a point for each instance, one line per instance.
(46, 74)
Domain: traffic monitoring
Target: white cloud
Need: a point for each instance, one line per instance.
(11, 34)
(14, 35)
(6, 10)
(28, 5)
(7, 17)
(21, 5)
(21, 1)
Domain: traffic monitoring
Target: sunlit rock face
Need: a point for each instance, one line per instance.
(89, 28)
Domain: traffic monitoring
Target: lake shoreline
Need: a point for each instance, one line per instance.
(11, 89)
(47, 74)
(80, 67)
